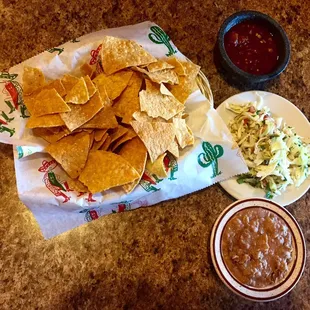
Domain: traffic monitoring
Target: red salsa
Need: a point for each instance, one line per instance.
(252, 47)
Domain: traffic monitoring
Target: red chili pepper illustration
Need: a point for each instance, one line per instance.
(51, 181)
(13, 93)
(121, 207)
(94, 54)
(93, 214)
(147, 178)
(90, 198)
(167, 162)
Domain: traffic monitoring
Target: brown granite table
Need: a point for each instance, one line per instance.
(151, 258)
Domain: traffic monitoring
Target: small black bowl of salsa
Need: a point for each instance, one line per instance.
(253, 47)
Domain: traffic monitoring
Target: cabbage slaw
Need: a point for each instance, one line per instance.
(275, 155)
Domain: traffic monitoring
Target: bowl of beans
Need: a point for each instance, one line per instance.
(253, 47)
(258, 249)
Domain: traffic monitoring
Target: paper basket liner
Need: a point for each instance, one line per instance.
(41, 182)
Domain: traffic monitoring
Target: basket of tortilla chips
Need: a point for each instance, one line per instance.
(108, 125)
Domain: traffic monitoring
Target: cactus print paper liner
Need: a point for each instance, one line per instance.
(43, 186)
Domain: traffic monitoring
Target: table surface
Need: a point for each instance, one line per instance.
(151, 258)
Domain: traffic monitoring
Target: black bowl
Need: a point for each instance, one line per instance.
(282, 40)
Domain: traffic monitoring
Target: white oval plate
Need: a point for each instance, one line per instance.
(279, 107)
(257, 294)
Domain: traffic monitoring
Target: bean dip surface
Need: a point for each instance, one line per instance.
(258, 247)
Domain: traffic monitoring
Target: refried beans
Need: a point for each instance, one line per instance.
(258, 247)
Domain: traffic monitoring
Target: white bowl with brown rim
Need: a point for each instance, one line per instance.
(258, 249)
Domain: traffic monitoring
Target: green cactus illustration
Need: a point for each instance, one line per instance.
(10, 105)
(172, 172)
(9, 130)
(157, 179)
(56, 49)
(210, 157)
(20, 152)
(23, 110)
(171, 163)
(8, 119)
(158, 36)
(148, 187)
(8, 76)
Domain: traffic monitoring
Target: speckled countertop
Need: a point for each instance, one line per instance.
(151, 258)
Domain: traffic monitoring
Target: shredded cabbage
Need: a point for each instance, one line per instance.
(276, 156)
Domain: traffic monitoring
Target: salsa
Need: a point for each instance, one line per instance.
(258, 247)
(252, 47)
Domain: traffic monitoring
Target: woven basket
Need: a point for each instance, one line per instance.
(204, 87)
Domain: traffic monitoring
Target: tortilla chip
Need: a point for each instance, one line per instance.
(157, 167)
(128, 102)
(178, 67)
(119, 132)
(89, 131)
(106, 144)
(164, 91)
(181, 91)
(183, 134)
(57, 85)
(117, 54)
(155, 104)
(76, 185)
(103, 119)
(156, 136)
(191, 71)
(161, 76)
(91, 139)
(135, 153)
(99, 133)
(105, 170)
(79, 93)
(126, 137)
(87, 69)
(48, 101)
(82, 113)
(143, 117)
(71, 153)
(57, 129)
(99, 69)
(68, 81)
(159, 65)
(113, 84)
(164, 76)
(174, 148)
(45, 134)
(33, 79)
(185, 115)
(52, 120)
(187, 84)
(90, 86)
(191, 134)
(98, 144)
(49, 135)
